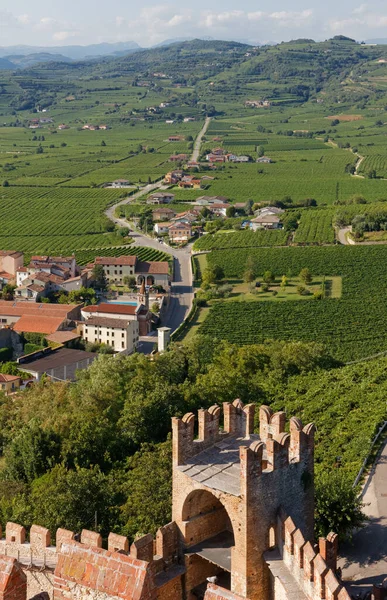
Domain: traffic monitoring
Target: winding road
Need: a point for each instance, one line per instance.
(181, 289)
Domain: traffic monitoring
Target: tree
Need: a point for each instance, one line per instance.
(86, 295)
(129, 281)
(205, 212)
(99, 277)
(155, 308)
(260, 151)
(8, 291)
(123, 231)
(230, 211)
(140, 517)
(39, 149)
(5, 183)
(306, 276)
(212, 274)
(103, 143)
(284, 282)
(249, 272)
(268, 277)
(73, 499)
(338, 506)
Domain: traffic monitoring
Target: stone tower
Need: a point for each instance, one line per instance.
(229, 488)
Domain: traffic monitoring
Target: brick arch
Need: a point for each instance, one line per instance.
(204, 516)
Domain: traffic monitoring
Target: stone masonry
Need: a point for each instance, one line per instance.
(242, 518)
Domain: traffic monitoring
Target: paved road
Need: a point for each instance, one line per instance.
(342, 237)
(364, 562)
(181, 289)
(198, 141)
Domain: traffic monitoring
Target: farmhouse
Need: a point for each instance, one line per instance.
(257, 103)
(266, 222)
(206, 200)
(119, 183)
(161, 228)
(178, 157)
(238, 159)
(163, 214)
(190, 183)
(269, 210)
(175, 138)
(10, 261)
(160, 198)
(263, 159)
(139, 313)
(9, 383)
(180, 232)
(117, 268)
(219, 208)
(62, 127)
(216, 158)
(121, 334)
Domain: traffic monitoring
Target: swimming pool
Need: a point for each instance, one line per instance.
(133, 303)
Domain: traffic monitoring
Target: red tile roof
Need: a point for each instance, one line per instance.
(27, 324)
(18, 308)
(112, 309)
(107, 322)
(7, 378)
(116, 260)
(159, 268)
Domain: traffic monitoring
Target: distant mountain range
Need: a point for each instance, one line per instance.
(66, 53)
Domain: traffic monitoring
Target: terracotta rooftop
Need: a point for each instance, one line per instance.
(111, 309)
(116, 260)
(18, 308)
(13, 253)
(28, 324)
(61, 337)
(5, 275)
(7, 378)
(160, 268)
(106, 322)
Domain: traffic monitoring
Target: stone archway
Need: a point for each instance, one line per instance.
(208, 540)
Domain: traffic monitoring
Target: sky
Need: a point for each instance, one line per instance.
(59, 22)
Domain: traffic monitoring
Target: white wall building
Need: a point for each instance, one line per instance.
(121, 334)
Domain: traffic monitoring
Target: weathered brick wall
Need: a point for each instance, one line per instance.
(13, 582)
(91, 572)
(214, 592)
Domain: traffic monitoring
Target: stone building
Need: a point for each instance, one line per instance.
(242, 517)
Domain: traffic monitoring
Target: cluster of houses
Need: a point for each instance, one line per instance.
(179, 226)
(268, 217)
(117, 324)
(183, 180)
(257, 103)
(219, 155)
(37, 123)
(90, 127)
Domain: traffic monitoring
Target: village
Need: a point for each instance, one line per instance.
(55, 316)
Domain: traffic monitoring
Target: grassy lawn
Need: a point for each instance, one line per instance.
(193, 327)
(241, 293)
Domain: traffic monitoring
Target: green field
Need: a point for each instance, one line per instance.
(352, 327)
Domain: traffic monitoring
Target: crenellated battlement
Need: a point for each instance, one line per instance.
(76, 560)
(235, 440)
(313, 568)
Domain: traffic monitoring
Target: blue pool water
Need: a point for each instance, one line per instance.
(120, 302)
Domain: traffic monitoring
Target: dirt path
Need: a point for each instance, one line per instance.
(198, 141)
(343, 238)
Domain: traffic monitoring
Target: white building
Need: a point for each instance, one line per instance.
(121, 334)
